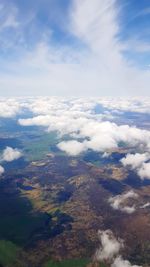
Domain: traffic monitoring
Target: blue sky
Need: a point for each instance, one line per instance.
(75, 47)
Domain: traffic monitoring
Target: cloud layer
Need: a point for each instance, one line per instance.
(99, 135)
(9, 107)
(89, 123)
(89, 130)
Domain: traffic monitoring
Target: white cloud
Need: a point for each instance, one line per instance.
(106, 155)
(119, 262)
(118, 202)
(109, 250)
(144, 171)
(138, 163)
(76, 117)
(72, 148)
(102, 139)
(9, 107)
(10, 154)
(110, 246)
(2, 170)
(133, 104)
(96, 24)
(38, 121)
(135, 160)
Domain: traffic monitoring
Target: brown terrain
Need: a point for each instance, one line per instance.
(81, 190)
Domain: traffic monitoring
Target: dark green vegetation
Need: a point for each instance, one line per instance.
(68, 263)
(8, 253)
(20, 224)
(72, 263)
(17, 222)
(115, 187)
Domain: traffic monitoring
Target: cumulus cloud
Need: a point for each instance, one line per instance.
(38, 121)
(77, 118)
(119, 262)
(10, 154)
(101, 135)
(109, 250)
(118, 201)
(135, 160)
(1, 170)
(133, 104)
(144, 171)
(110, 246)
(45, 105)
(138, 163)
(72, 148)
(9, 107)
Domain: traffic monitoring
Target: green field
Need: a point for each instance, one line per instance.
(37, 149)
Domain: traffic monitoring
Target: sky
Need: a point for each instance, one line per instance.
(75, 47)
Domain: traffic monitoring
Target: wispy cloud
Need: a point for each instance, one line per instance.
(8, 17)
(92, 63)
